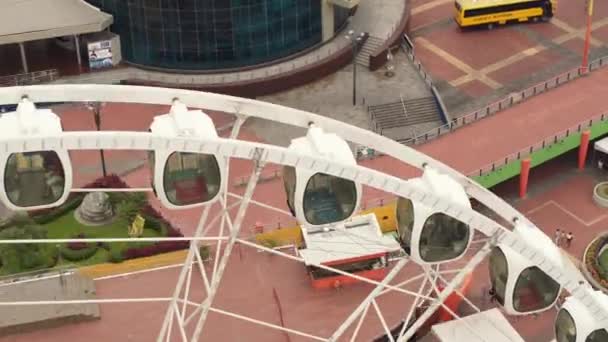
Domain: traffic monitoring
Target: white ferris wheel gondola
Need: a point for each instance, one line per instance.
(575, 323)
(431, 236)
(520, 286)
(184, 180)
(38, 178)
(318, 199)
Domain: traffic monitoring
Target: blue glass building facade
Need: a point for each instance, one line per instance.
(214, 34)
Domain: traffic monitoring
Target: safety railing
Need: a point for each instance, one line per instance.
(29, 78)
(504, 103)
(548, 141)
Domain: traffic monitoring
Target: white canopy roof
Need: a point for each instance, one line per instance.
(485, 326)
(602, 145)
(361, 236)
(26, 20)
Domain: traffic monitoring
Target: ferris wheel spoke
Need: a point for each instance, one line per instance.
(234, 231)
(370, 298)
(447, 291)
(169, 315)
(383, 321)
(457, 291)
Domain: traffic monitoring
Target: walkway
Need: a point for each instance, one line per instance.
(475, 146)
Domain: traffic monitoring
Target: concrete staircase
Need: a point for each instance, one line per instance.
(404, 113)
(371, 46)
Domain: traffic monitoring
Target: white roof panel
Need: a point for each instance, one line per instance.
(357, 237)
(485, 326)
(602, 145)
(27, 20)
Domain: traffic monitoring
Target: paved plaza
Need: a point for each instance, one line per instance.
(476, 66)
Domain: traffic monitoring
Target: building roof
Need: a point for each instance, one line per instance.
(27, 20)
(358, 237)
(602, 145)
(488, 325)
(467, 4)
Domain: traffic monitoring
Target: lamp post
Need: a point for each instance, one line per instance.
(355, 39)
(95, 107)
(585, 63)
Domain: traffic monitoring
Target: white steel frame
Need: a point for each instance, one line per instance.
(261, 153)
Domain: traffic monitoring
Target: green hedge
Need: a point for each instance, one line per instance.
(116, 256)
(78, 255)
(70, 204)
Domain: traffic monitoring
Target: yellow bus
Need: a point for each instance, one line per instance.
(494, 12)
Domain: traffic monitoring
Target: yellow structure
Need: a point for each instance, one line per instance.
(137, 227)
(293, 235)
(499, 12)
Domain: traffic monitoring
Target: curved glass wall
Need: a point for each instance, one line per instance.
(600, 335)
(499, 274)
(534, 290)
(405, 223)
(34, 178)
(329, 199)
(443, 238)
(214, 34)
(191, 178)
(565, 328)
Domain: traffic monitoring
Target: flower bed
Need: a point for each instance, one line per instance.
(597, 273)
(600, 194)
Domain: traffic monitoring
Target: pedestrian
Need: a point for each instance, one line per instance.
(600, 164)
(557, 237)
(492, 294)
(569, 238)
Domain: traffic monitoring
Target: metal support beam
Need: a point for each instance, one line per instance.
(217, 277)
(77, 46)
(23, 58)
(366, 302)
(447, 291)
(170, 314)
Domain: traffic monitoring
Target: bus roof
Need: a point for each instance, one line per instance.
(468, 4)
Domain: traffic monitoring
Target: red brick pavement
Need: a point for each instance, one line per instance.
(320, 312)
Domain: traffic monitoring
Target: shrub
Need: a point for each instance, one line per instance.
(78, 254)
(157, 248)
(47, 215)
(204, 250)
(153, 223)
(76, 246)
(116, 256)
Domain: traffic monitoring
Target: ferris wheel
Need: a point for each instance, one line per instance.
(324, 185)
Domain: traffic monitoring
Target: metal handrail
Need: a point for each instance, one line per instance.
(29, 78)
(548, 141)
(505, 103)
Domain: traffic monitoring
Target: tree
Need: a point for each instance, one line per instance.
(19, 257)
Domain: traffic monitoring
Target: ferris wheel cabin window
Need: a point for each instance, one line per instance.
(499, 273)
(534, 290)
(405, 222)
(328, 199)
(34, 178)
(565, 328)
(599, 335)
(443, 238)
(191, 178)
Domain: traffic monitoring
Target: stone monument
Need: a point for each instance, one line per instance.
(95, 210)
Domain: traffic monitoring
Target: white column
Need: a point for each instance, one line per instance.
(77, 46)
(327, 19)
(23, 58)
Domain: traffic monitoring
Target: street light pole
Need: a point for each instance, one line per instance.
(354, 44)
(585, 63)
(354, 39)
(95, 107)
